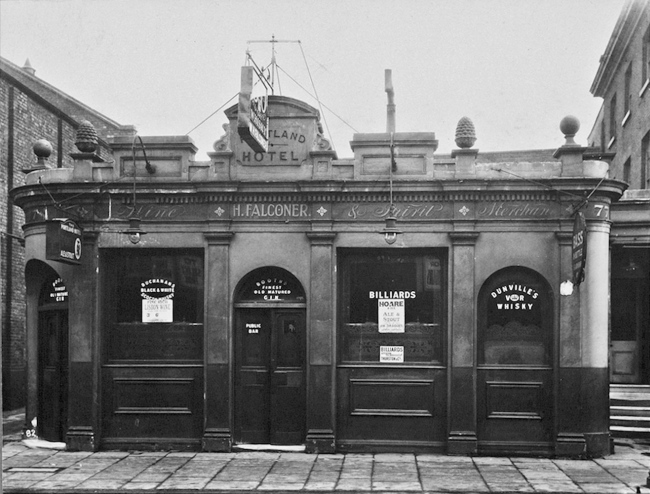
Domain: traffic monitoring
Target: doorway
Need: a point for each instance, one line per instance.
(53, 361)
(515, 363)
(630, 316)
(270, 343)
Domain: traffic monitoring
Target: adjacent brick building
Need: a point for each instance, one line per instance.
(30, 109)
(621, 134)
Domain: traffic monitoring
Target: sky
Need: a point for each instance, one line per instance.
(514, 67)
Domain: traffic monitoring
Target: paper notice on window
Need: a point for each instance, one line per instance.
(157, 310)
(391, 315)
(393, 354)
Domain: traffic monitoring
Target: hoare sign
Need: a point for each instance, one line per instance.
(287, 146)
(514, 297)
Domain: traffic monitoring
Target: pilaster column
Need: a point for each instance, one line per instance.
(320, 345)
(217, 435)
(570, 439)
(84, 413)
(594, 309)
(462, 378)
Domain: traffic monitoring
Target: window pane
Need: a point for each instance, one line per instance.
(147, 277)
(392, 307)
(515, 321)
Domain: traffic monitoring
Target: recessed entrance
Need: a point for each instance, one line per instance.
(270, 338)
(53, 360)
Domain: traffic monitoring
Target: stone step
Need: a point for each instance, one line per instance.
(635, 411)
(630, 432)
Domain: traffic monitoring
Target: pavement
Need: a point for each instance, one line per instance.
(41, 470)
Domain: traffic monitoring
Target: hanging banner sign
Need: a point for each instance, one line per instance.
(63, 241)
(579, 248)
(393, 354)
(391, 315)
(157, 303)
(252, 113)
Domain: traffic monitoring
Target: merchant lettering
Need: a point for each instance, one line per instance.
(270, 210)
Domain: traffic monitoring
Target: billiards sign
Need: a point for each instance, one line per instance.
(63, 241)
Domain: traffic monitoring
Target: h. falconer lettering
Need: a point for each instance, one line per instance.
(270, 210)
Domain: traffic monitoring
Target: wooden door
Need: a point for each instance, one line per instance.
(515, 374)
(270, 382)
(52, 374)
(628, 307)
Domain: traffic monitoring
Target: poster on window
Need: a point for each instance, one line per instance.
(157, 310)
(393, 354)
(391, 315)
(157, 300)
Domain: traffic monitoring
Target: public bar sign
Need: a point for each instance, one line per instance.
(579, 248)
(252, 113)
(63, 241)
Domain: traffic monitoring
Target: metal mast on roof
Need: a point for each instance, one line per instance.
(273, 66)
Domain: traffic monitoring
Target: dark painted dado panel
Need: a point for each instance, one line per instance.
(82, 433)
(583, 400)
(515, 410)
(383, 408)
(153, 405)
(463, 399)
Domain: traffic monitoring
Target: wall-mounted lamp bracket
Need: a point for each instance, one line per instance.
(134, 232)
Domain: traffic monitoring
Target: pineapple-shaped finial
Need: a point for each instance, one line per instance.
(86, 140)
(465, 133)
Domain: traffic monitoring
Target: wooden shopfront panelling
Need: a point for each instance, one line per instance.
(391, 375)
(152, 373)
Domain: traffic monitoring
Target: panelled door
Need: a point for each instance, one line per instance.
(270, 376)
(52, 374)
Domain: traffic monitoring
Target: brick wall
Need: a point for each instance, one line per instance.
(22, 122)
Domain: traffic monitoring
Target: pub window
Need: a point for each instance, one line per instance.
(154, 304)
(515, 319)
(392, 306)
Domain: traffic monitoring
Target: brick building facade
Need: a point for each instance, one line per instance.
(30, 109)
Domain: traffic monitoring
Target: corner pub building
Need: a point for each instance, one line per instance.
(387, 302)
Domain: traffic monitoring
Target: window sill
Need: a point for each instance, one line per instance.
(626, 118)
(611, 142)
(644, 87)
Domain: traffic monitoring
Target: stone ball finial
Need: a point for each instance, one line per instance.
(42, 149)
(570, 126)
(465, 133)
(86, 140)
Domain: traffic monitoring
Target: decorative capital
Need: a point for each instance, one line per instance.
(463, 238)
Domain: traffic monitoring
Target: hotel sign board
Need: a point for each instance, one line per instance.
(579, 248)
(252, 113)
(63, 241)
